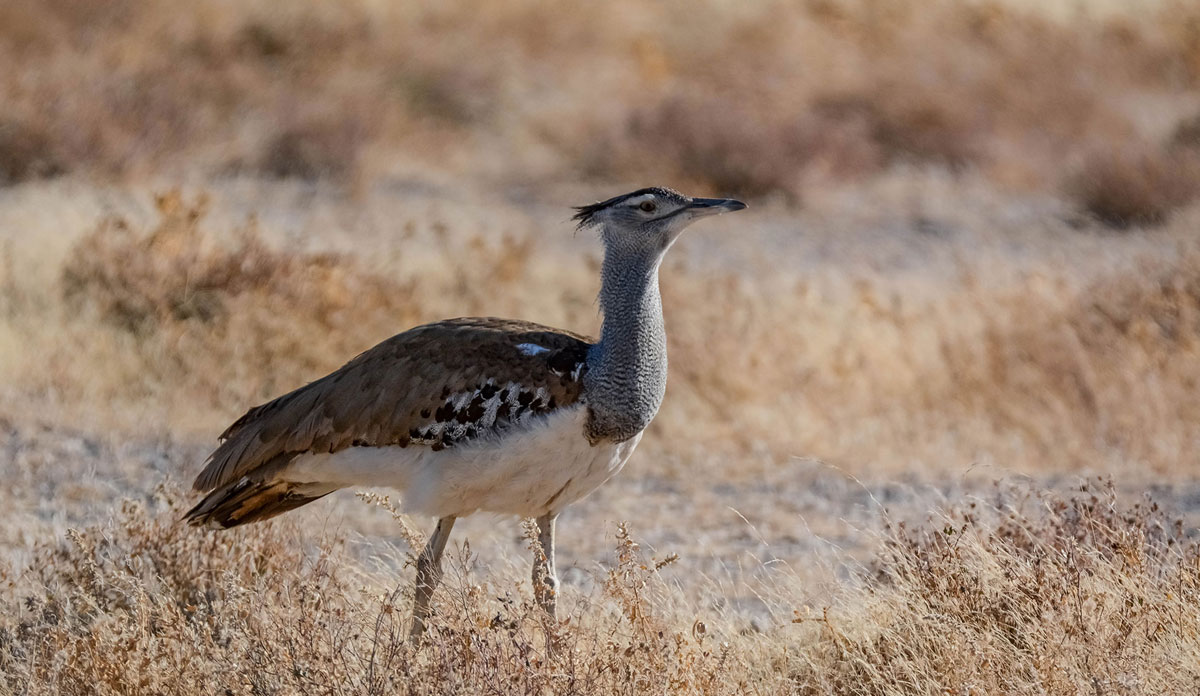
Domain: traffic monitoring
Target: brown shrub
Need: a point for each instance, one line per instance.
(314, 151)
(723, 145)
(1126, 187)
(901, 126)
(1186, 134)
(751, 148)
(26, 152)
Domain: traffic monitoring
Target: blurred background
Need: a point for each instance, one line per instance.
(971, 251)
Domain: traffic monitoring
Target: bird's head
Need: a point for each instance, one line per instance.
(648, 220)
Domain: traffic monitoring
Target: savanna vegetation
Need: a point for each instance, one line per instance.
(932, 423)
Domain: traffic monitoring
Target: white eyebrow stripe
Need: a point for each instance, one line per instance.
(532, 349)
(638, 200)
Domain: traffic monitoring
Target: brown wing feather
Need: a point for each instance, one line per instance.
(421, 388)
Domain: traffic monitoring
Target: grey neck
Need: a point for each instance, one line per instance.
(627, 368)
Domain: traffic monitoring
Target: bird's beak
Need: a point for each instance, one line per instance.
(701, 207)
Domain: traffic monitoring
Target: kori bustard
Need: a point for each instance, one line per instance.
(469, 415)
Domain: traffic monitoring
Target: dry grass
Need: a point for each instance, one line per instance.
(1025, 594)
(913, 303)
(217, 319)
(26, 152)
(1137, 186)
(151, 606)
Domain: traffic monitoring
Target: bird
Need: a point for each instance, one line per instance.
(474, 414)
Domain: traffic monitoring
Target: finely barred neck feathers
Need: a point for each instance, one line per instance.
(627, 369)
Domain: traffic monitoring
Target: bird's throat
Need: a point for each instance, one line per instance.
(627, 368)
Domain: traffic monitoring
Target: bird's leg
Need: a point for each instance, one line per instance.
(429, 574)
(545, 577)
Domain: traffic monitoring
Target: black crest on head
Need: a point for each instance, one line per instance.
(585, 213)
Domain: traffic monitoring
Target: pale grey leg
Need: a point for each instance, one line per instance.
(545, 576)
(429, 574)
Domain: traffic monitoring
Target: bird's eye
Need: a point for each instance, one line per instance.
(648, 206)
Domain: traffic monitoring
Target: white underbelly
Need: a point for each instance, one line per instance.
(540, 468)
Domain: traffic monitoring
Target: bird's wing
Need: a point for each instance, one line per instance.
(432, 386)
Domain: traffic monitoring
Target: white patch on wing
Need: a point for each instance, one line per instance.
(532, 349)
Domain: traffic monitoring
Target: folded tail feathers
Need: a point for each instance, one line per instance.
(250, 500)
